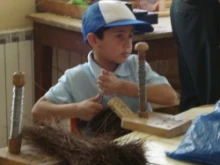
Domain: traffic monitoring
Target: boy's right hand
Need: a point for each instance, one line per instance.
(87, 109)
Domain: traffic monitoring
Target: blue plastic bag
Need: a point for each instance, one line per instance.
(201, 143)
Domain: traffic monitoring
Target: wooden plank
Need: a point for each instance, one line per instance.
(60, 8)
(3, 119)
(119, 107)
(156, 123)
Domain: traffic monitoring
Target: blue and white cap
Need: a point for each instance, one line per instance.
(110, 14)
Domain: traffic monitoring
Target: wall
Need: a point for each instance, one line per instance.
(16, 54)
(12, 13)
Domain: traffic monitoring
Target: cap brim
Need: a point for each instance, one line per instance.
(139, 26)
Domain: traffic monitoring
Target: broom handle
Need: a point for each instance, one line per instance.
(141, 48)
(16, 113)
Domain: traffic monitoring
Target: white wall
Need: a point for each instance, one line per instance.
(12, 13)
(12, 17)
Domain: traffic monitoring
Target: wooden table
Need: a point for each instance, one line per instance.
(155, 147)
(52, 30)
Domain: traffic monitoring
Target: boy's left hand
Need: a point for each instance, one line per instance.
(108, 83)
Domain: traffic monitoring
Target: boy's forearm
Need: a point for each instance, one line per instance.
(156, 93)
(47, 110)
(127, 88)
(162, 94)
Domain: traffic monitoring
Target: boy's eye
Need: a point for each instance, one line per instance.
(119, 36)
(122, 36)
(131, 35)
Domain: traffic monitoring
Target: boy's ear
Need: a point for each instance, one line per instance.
(92, 39)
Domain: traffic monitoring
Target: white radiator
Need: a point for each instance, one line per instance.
(16, 54)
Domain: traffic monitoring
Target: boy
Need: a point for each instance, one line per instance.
(83, 91)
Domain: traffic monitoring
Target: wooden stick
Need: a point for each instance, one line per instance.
(142, 47)
(16, 113)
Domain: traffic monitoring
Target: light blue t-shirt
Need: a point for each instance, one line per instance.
(79, 83)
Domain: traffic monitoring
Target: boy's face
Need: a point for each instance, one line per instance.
(115, 46)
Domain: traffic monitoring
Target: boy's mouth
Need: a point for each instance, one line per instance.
(125, 54)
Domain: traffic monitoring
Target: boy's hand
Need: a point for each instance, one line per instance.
(89, 108)
(108, 83)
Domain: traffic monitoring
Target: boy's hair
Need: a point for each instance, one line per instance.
(100, 32)
(110, 14)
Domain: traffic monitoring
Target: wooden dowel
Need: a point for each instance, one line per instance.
(141, 48)
(15, 138)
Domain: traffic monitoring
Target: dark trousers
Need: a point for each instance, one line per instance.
(196, 28)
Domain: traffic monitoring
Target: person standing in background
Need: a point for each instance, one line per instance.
(196, 29)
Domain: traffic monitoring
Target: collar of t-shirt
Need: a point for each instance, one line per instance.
(121, 71)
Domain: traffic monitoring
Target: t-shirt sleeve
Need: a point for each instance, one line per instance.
(60, 93)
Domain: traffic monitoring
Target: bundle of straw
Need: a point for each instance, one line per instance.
(77, 149)
(105, 122)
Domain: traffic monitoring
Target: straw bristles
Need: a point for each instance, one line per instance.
(105, 122)
(77, 149)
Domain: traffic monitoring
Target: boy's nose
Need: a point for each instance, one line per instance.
(128, 43)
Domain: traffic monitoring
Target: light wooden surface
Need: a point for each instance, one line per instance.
(161, 30)
(159, 124)
(157, 146)
(168, 3)
(165, 10)
(28, 156)
(59, 21)
(165, 13)
(60, 8)
(76, 11)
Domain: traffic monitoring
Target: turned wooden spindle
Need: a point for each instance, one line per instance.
(15, 138)
(141, 48)
(155, 123)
